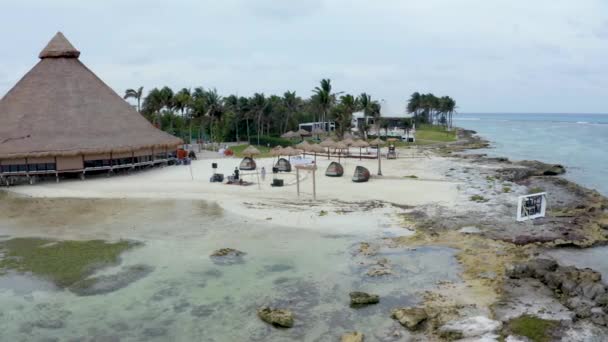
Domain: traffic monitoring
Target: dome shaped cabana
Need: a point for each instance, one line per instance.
(283, 165)
(334, 170)
(361, 175)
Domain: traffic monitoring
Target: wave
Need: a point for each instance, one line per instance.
(583, 122)
(468, 119)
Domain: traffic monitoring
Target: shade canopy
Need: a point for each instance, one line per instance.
(302, 132)
(360, 144)
(316, 148)
(318, 130)
(289, 135)
(290, 151)
(329, 142)
(61, 108)
(276, 151)
(304, 146)
(251, 151)
(348, 141)
(341, 145)
(377, 142)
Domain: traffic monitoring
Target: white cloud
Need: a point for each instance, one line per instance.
(500, 55)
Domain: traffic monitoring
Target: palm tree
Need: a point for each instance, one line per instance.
(168, 103)
(292, 104)
(258, 105)
(324, 98)
(414, 105)
(344, 116)
(183, 103)
(136, 94)
(153, 104)
(365, 105)
(213, 102)
(231, 105)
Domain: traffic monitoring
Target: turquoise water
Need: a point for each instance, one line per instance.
(190, 297)
(577, 141)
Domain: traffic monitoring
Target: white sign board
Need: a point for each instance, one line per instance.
(531, 206)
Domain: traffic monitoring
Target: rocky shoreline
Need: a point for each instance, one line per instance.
(494, 249)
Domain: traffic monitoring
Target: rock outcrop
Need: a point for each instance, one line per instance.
(362, 298)
(277, 317)
(227, 256)
(411, 318)
(352, 337)
(580, 290)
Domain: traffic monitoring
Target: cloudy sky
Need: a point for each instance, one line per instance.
(490, 55)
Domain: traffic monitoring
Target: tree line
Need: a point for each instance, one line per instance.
(428, 108)
(205, 114)
(202, 113)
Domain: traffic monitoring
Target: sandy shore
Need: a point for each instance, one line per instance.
(263, 202)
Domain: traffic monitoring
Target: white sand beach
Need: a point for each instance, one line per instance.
(263, 201)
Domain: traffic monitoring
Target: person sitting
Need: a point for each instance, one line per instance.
(236, 173)
(192, 155)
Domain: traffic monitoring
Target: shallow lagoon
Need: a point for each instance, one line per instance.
(188, 297)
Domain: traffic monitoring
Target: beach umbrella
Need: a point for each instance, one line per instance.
(340, 146)
(348, 141)
(304, 146)
(251, 151)
(289, 135)
(302, 133)
(316, 148)
(328, 143)
(317, 131)
(290, 151)
(360, 144)
(276, 151)
(348, 136)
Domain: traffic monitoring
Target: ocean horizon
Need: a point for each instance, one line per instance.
(577, 141)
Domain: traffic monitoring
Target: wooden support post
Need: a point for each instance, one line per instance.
(314, 184)
(298, 180)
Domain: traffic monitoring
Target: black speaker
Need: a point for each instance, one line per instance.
(277, 182)
(275, 170)
(214, 165)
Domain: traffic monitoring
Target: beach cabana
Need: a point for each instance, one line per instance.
(360, 144)
(62, 118)
(283, 165)
(361, 175)
(248, 164)
(334, 170)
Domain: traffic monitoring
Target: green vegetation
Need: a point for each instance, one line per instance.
(272, 141)
(490, 178)
(478, 199)
(506, 189)
(202, 113)
(62, 262)
(535, 190)
(532, 327)
(323, 213)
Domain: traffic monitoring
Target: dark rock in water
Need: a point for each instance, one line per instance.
(202, 311)
(119, 326)
(410, 318)
(181, 306)
(165, 293)
(110, 283)
(361, 174)
(277, 317)
(227, 256)
(352, 337)
(362, 298)
(281, 280)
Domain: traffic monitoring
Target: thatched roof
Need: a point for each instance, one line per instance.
(316, 148)
(304, 146)
(250, 151)
(303, 132)
(61, 108)
(276, 151)
(290, 151)
(289, 135)
(348, 141)
(377, 142)
(318, 130)
(329, 142)
(360, 143)
(341, 145)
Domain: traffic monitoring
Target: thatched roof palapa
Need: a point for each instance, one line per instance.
(290, 151)
(250, 151)
(289, 135)
(377, 142)
(61, 108)
(360, 144)
(329, 142)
